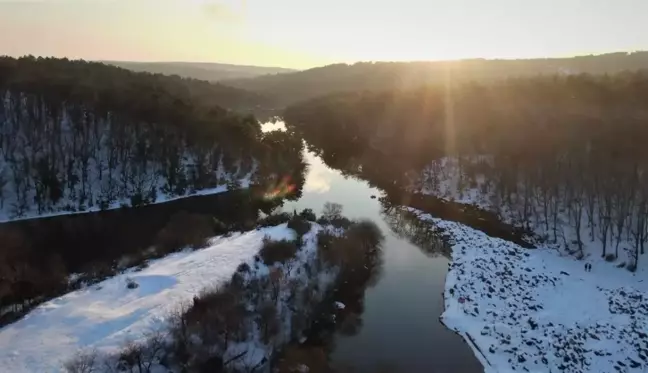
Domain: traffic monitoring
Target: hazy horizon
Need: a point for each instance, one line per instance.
(339, 62)
(291, 34)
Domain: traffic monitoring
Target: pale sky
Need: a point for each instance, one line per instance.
(306, 33)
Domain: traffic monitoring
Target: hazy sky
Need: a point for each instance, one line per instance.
(305, 33)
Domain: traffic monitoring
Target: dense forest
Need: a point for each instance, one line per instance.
(558, 154)
(76, 135)
(293, 87)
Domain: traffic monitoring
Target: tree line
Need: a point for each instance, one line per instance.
(558, 154)
(211, 72)
(289, 88)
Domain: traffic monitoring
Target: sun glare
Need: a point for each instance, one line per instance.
(298, 34)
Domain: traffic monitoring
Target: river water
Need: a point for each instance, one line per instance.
(401, 331)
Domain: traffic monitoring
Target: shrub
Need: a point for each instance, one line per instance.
(104, 204)
(243, 268)
(219, 226)
(366, 232)
(324, 240)
(275, 219)
(332, 211)
(300, 225)
(267, 320)
(332, 215)
(185, 230)
(180, 335)
(152, 195)
(357, 253)
(82, 362)
(632, 268)
(340, 222)
(610, 257)
(311, 359)
(308, 214)
(137, 200)
(208, 363)
(237, 281)
(219, 315)
(96, 271)
(277, 251)
(137, 260)
(131, 284)
(143, 357)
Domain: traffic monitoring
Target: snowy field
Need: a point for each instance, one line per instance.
(539, 311)
(107, 315)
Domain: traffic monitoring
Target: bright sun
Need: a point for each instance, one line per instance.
(301, 34)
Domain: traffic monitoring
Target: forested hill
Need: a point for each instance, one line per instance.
(211, 72)
(106, 80)
(553, 151)
(78, 135)
(293, 87)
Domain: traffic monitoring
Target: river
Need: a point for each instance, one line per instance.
(401, 331)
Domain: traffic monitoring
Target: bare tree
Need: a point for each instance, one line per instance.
(85, 361)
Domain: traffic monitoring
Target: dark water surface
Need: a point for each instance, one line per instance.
(400, 329)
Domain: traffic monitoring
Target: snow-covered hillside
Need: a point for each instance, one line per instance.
(16, 197)
(107, 315)
(6, 215)
(443, 179)
(562, 219)
(61, 156)
(540, 311)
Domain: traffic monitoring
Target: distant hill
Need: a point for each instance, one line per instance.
(211, 72)
(297, 86)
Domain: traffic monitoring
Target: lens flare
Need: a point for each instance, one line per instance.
(282, 188)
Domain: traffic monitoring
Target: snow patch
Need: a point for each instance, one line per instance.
(106, 316)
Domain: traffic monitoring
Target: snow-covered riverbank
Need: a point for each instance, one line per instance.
(32, 213)
(540, 311)
(106, 316)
